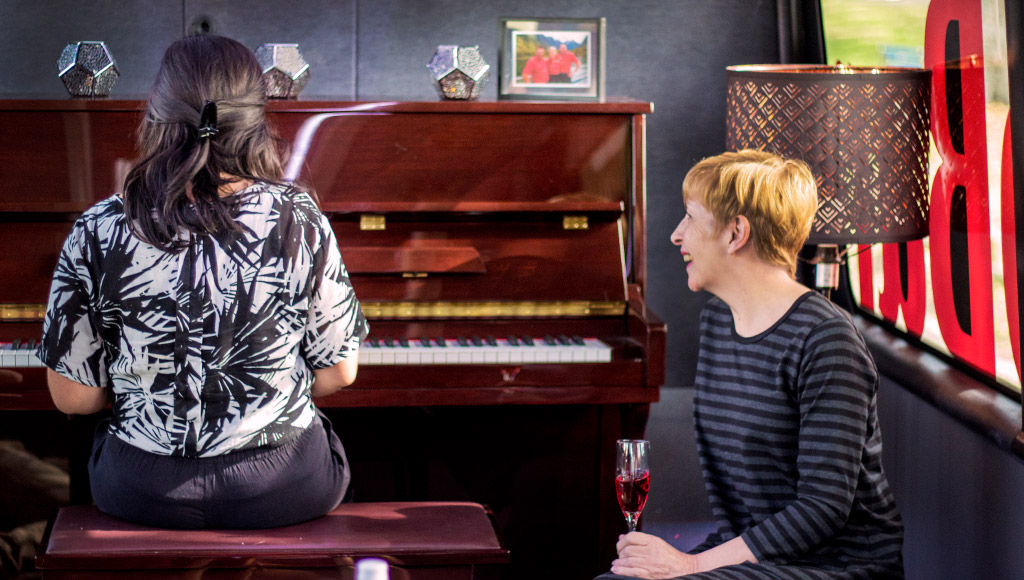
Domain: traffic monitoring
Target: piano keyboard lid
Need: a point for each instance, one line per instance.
(485, 261)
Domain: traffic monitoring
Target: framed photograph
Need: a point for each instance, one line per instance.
(552, 59)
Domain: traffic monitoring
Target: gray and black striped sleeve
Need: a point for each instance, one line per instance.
(835, 390)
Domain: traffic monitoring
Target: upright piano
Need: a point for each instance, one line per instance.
(498, 249)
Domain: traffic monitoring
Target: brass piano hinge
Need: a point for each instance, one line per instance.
(575, 222)
(371, 222)
(523, 309)
(22, 312)
(414, 274)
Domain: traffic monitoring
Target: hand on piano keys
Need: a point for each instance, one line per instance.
(19, 354)
(488, 350)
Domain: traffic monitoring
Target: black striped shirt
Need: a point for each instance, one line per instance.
(789, 442)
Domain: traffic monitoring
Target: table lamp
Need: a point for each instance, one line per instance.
(864, 134)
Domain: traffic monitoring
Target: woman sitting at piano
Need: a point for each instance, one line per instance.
(784, 406)
(207, 304)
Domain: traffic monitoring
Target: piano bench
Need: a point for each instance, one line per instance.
(421, 541)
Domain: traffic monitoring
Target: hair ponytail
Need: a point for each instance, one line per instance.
(204, 128)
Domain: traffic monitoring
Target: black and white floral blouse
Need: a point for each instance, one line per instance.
(211, 349)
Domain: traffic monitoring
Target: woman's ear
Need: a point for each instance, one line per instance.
(739, 233)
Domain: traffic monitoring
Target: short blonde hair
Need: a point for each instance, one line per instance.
(778, 197)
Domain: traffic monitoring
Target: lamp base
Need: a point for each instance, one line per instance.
(826, 271)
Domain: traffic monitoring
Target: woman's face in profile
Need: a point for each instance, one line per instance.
(702, 246)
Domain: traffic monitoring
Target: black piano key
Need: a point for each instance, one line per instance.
(16, 344)
(373, 342)
(425, 341)
(549, 340)
(440, 341)
(388, 341)
(578, 339)
(527, 340)
(512, 340)
(564, 340)
(477, 341)
(490, 340)
(403, 342)
(462, 341)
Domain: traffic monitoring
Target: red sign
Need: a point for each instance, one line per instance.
(960, 243)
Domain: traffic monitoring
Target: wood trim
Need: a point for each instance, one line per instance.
(608, 106)
(977, 406)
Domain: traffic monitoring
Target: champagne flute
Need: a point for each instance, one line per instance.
(632, 477)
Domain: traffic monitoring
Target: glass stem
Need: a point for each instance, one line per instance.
(631, 520)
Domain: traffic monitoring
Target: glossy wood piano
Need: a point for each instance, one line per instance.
(498, 249)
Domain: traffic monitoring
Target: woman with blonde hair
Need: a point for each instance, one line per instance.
(784, 406)
(207, 304)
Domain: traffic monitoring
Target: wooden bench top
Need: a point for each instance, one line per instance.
(404, 533)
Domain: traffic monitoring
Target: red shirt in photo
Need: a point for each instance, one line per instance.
(565, 61)
(536, 70)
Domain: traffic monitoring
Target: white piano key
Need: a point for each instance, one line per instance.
(439, 355)
(373, 356)
(579, 354)
(22, 356)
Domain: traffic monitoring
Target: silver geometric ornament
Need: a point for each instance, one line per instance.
(87, 69)
(458, 72)
(284, 70)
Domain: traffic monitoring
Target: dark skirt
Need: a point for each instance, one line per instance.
(299, 480)
(750, 571)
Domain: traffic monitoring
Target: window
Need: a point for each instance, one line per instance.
(963, 42)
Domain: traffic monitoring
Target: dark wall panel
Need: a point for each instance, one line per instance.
(397, 38)
(323, 29)
(960, 495)
(33, 34)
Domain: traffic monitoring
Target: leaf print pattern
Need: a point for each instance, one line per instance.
(210, 349)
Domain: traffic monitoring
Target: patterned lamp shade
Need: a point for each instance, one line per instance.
(863, 131)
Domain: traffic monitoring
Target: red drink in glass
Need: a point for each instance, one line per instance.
(632, 492)
(632, 478)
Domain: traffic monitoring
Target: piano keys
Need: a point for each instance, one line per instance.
(19, 354)
(488, 350)
(422, 351)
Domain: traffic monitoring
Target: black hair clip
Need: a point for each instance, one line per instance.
(208, 120)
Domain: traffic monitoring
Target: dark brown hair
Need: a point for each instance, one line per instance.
(175, 156)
